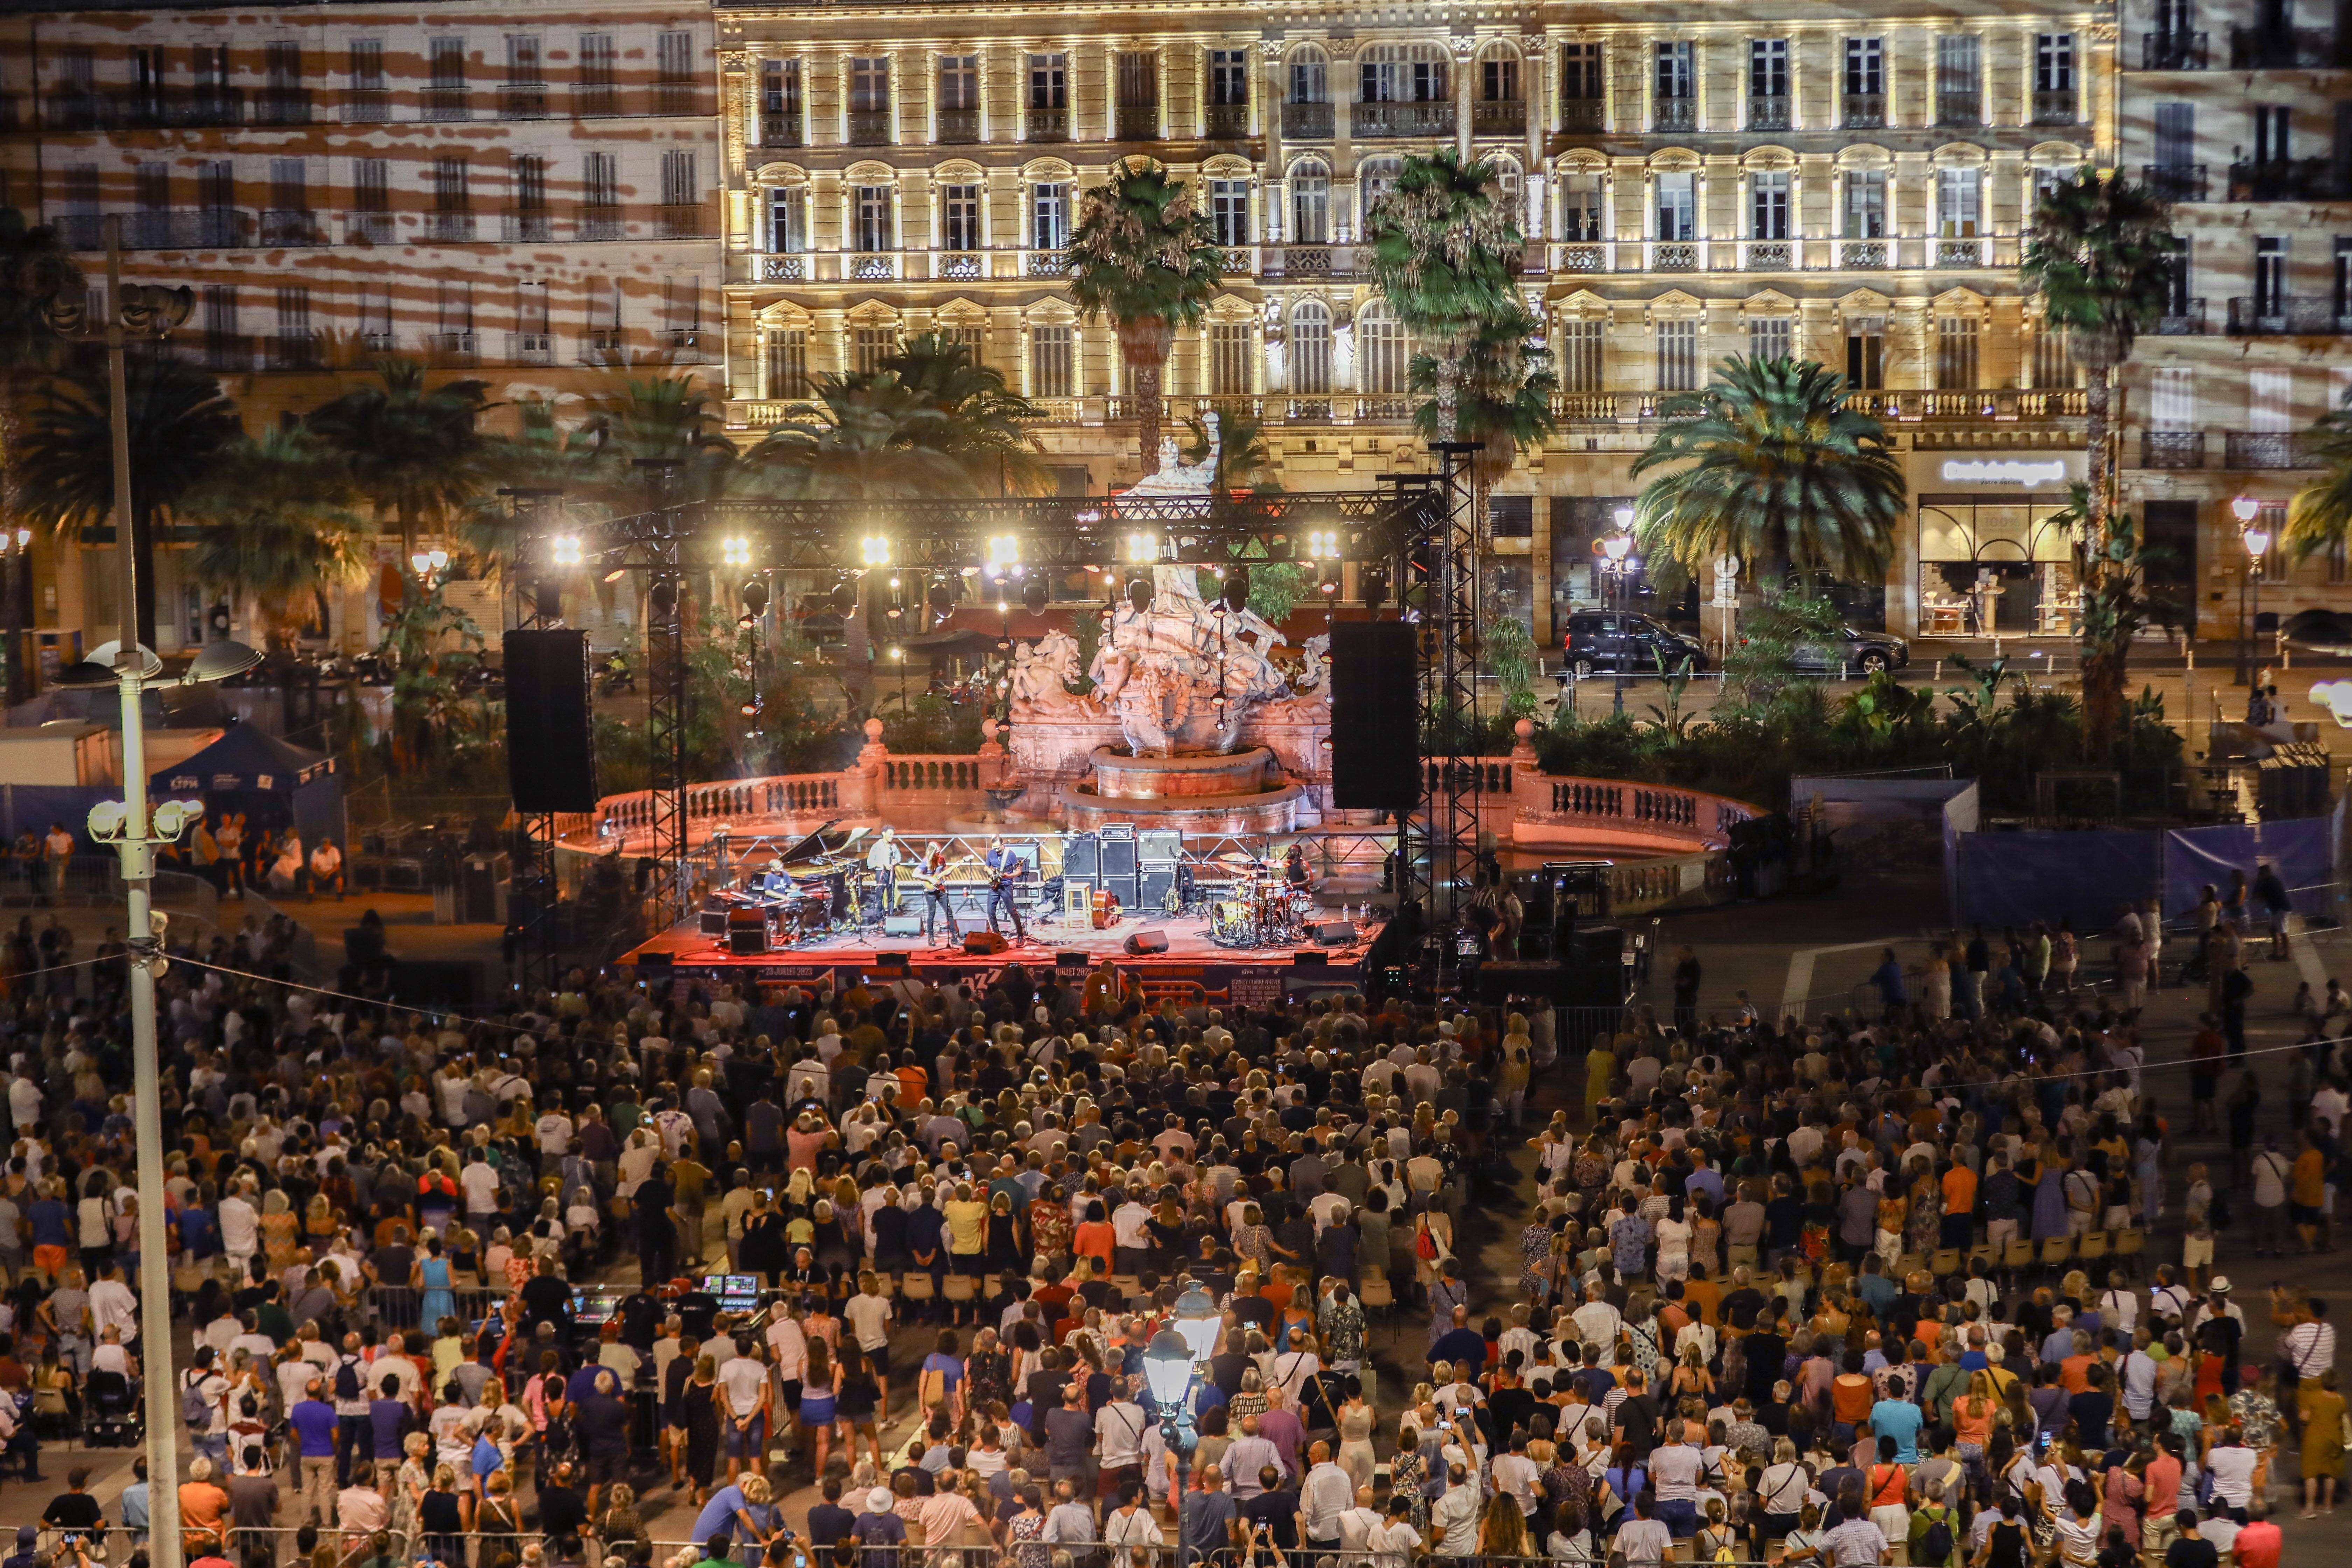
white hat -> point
(2221, 1286)
(878, 1501)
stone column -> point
(1466, 58)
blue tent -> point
(262, 776)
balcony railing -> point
(1310, 260)
(78, 111)
(533, 225)
(1967, 252)
(2285, 180)
(531, 348)
(687, 345)
(290, 228)
(782, 131)
(202, 228)
(2175, 182)
(1046, 264)
(869, 128)
(1583, 113)
(1306, 121)
(1674, 255)
(1499, 117)
(368, 228)
(1863, 110)
(448, 101)
(2172, 51)
(595, 99)
(293, 348)
(282, 106)
(448, 227)
(206, 106)
(783, 269)
(366, 105)
(1769, 113)
(676, 98)
(2172, 448)
(956, 127)
(2189, 321)
(1047, 124)
(2290, 316)
(872, 265)
(1862, 252)
(2055, 106)
(524, 100)
(962, 267)
(1959, 110)
(2267, 449)
(1770, 255)
(453, 348)
(1674, 114)
(1136, 122)
(681, 220)
(602, 220)
(2282, 48)
(601, 346)
(1430, 119)
(1224, 121)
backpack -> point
(2217, 1212)
(1934, 1547)
(196, 1408)
(1424, 1245)
(347, 1378)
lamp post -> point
(1169, 1372)
(428, 564)
(1616, 552)
(2257, 541)
(130, 667)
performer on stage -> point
(883, 862)
(934, 874)
(1004, 868)
(1293, 868)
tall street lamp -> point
(2257, 541)
(1617, 551)
(130, 668)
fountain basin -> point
(1202, 795)
(1118, 776)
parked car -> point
(1851, 652)
(1612, 642)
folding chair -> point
(1378, 1295)
(1945, 1263)
(2092, 1248)
(2131, 1248)
(2057, 1251)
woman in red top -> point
(1095, 1238)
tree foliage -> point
(1144, 253)
(275, 524)
(1443, 248)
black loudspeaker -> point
(1082, 856)
(1073, 958)
(1118, 855)
(1308, 958)
(983, 941)
(653, 967)
(1336, 933)
(747, 933)
(1155, 884)
(1375, 735)
(550, 750)
(1125, 890)
(1597, 947)
(1149, 940)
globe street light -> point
(1168, 1373)
(2257, 541)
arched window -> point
(1376, 177)
(1310, 203)
(1402, 73)
(1310, 347)
(1499, 74)
(1383, 354)
(1310, 75)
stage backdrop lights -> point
(874, 550)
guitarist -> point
(1004, 868)
(933, 876)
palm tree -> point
(2321, 512)
(2101, 251)
(867, 436)
(1445, 251)
(1503, 391)
(1144, 255)
(1245, 462)
(35, 269)
(1772, 463)
(179, 425)
(416, 450)
(276, 524)
(985, 416)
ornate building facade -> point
(1845, 187)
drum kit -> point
(1260, 912)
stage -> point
(1192, 966)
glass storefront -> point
(1996, 564)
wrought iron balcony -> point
(366, 105)
(955, 126)
(1863, 253)
(783, 269)
(1047, 124)
(1959, 110)
(290, 228)
(449, 227)
(2172, 448)
(681, 220)
(2175, 182)
(2055, 106)
(531, 348)
(869, 128)
(524, 100)
(294, 348)
(2285, 180)
(371, 228)
(530, 225)
(1434, 118)
(157, 229)
(602, 220)
(1863, 110)
(1960, 252)
(782, 130)
(2283, 48)
(1225, 121)
(1583, 113)
(1771, 113)
(2172, 51)
(1136, 122)
(595, 99)
(1306, 121)
(460, 348)
(2186, 322)
(1499, 117)
(1674, 114)
(2267, 449)
(2288, 316)
(449, 100)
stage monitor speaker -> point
(1072, 958)
(1155, 884)
(902, 925)
(747, 940)
(983, 941)
(1118, 857)
(653, 967)
(1081, 857)
(1149, 940)
(1375, 732)
(551, 748)
(1336, 933)
(1309, 958)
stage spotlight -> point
(1234, 589)
(874, 550)
(845, 597)
(750, 710)
(755, 597)
(1329, 586)
(1323, 544)
(941, 598)
(736, 550)
(566, 549)
(1142, 548)
(1003, 554)
(1033, 596)
(616, 573)
(1138, 594)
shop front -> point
(1990, 554)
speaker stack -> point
(1375, 729)
(550, 743)
(1121, 865)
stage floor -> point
(1259, 976)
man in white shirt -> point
(554, 1132)
(1130, 1234)
(745, 1379)
(1323, 1497)
(1396, 1544)
(114, 1306)
(2309, 1347)
(1673, 1476)
(240, 1229)
(869, 1314)
(1119, 1434)
(1453, 1517)
(1514, 1474)
(1598, 1322)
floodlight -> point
(107, 819)
(218, 661)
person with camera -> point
(76, 1515)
